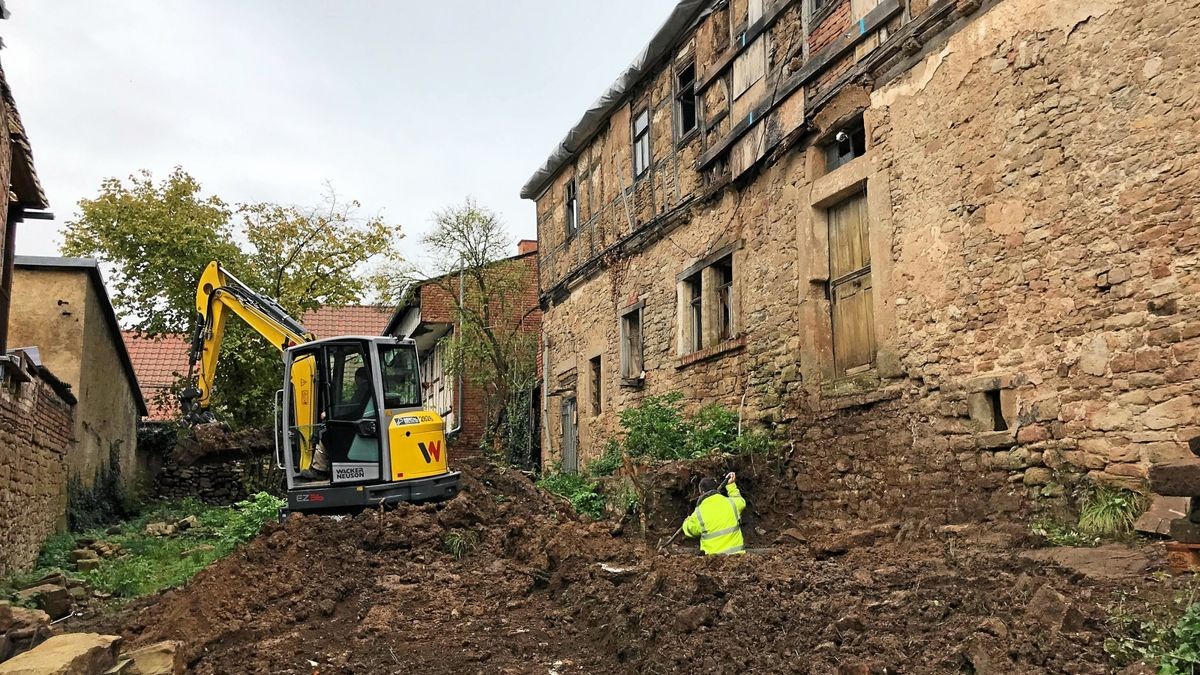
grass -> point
(1107, 511)
(459, 543)
(151, 564)
(1167, 637)
(1104, 513)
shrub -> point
(576, 489)
(608, 463)
(658, 429)
(247, 518)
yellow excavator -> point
(350, 429)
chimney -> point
(526, 246)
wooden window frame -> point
(683, 91)
(641, 139)
(861, 276)
(707, 301)
(633, 371)
(596, 384)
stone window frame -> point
(703, 276)
(634, 312)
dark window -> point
(595, 371)
(641, 144)
(847, 144)
(724, 270)
(631, 345)
(695, 312)
(997, 410)
(819, 6)
(572, 207)
(685, 99)
(350, 389)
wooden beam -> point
(882, 13)
(761, 26)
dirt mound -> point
(534, 588)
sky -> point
(405, 106)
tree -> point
(489, 297)
(155, 238)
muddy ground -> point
(542, 591)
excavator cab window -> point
(351, 434)
(401, 376)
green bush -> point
(459, 543)
(608, 463)
(576, 489)
(658, 429)
(247, 518)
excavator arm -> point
(219, 294)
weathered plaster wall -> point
(59, 312)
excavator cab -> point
(358, 400)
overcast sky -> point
(406, 106)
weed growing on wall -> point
(1108, 511)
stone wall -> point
(35, 439)
(1031, 187)
(221, 483)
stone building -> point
(947, 249)
(36, 423)
(60, 306)
(428, 316)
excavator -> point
(350, 429)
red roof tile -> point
(161, 360)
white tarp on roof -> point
(683, 17)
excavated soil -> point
(542, 591)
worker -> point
(717, 519)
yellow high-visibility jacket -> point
(718, 523)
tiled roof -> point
(329, 322)
(161, 360)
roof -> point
(25, 182)
(681, 20)
(349, 320)
(92, 269)
(160, 360)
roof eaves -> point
(682, 19)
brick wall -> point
(35, 437)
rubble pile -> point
(504, 579)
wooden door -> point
(850, 286)
(570, 436)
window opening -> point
(641, 144)
(572, 206)
(685, 99)
(848, 143)
(997, 410)
(596, 379)
(631, 345)
(724, 278)
(695, 312)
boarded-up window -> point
(750, 66)
(754, 11)
(631, 345)
(850, 286)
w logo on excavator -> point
(431, 452)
